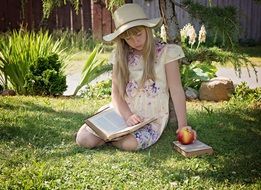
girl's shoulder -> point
(160, 46)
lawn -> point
(37, 149)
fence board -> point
(97, 21)
(94, 16)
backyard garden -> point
(38, 119)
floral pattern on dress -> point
(146, 136)
(131, 88)
(151, 88)
(133, 59)
(159, 47)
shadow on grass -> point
(235, 135)
(38, 125)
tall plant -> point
(20, 49)
(221, 22)
(93, 68)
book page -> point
(109, 121)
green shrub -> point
(99, 90)
(45, 77)
(194, 74)
(244, 93)
(18, 50)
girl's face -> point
(137, 40)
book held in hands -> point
(109, 125)
(195, 149)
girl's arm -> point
(121, 105)
(176, 92)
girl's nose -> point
(136, 40)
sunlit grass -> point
(37, 149)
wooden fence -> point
(13, 14)
(94, 16)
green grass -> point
(37, 150)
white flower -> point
(163, 34)
(191, 33)
(202, 34)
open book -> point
(195, 149)
(108, 124)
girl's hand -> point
(189, 127)
(134, 119)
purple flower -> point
(159, 47)
(151, 88)
(133, 59)
(132, 88)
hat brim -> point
(151, 23)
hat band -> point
(131, 21)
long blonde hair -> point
(121, 56)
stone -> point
(216, 89)
(191, 93)
(8, 93)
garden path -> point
(74, 76)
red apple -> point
(185, 136)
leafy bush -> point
(99, 90)
(245, 94)
(194, 74)
(45, 77)
(18, 50)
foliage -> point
(49, 5)
(112, 4)
(221, 22)
(214, 54)
(194, 74)
(98, 90)
(45, 77)
(246, 94)
(93, 68)
(75, 41)
(202, 59)
(37, 150)
(19, 50)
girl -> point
(144, 72)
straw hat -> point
(128, 16)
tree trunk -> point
(167, 11)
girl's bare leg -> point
(86, 139)
(127, 142)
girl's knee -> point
(84, 142)
(86, 139)
(128, 143)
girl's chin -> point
(138, 48)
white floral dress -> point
(153, 99)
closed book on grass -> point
(195, 149)
(109, 125)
